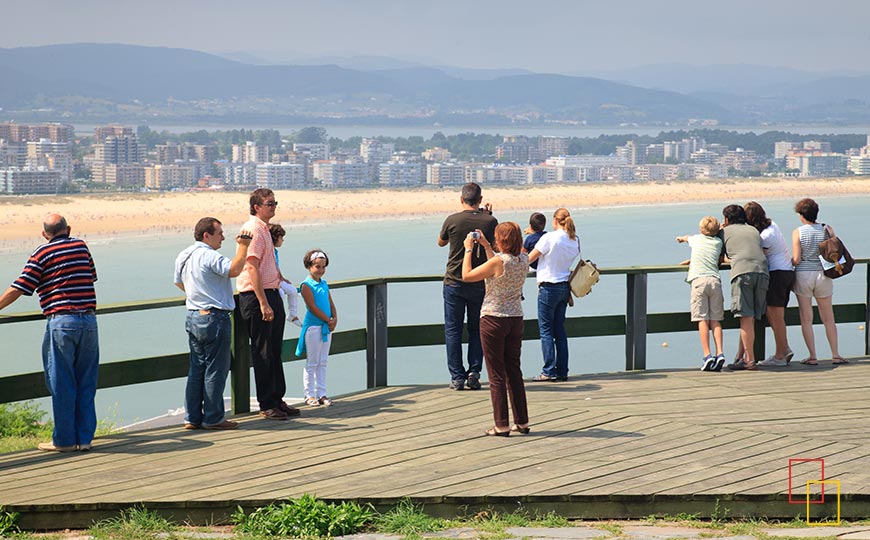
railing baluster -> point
(867, 312)
(240, 370)
(376, 335)
(635, 321)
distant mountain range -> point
(133, 82)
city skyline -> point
(560, 36)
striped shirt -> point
(62, 273)
(811, 236)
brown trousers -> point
(502, 340)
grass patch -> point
(23, 426)
(409, 520)
(305, 517)
(133, 524)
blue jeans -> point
(71, 359)
(209, 336)
(461, 299)
(552, 303)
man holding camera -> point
(204, 276)
(461, 299)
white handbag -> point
(583, 277)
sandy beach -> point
(107, 215)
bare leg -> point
(805, 307)
(717, 335)
(776, 318)
(747, 338)
(704, 333)
(741, 350)
(826, 312)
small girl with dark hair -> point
(285, 286)
(320, 321)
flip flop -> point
(810, 362)
(839, 360)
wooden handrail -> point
(377, 337)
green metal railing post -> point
(635, 321)
(867, 312)
(376, 335)
(240, 366)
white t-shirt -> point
(775, 248)
(558, 251)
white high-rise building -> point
(54, 156)
(315, 151)
(14, 180)
(251, 152)
(280, 176)
(397, 173)
(337, 174)
(445, 174)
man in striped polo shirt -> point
(62, 273)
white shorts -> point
(813, 284)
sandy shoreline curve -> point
(97, 216)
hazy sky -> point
(543, 35)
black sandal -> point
(523, 430)
(493, 432)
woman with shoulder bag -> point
(810, 281)
(555, 252)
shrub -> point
(7, 522)
(22, 420)
(305, 517)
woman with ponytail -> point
(555, 252)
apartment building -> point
(445, 174)
(401, 173)
(586, 161)
(315, 151)
(553, 146)
(436, 154)
(237, 174)
(339, 174)
(55, 156)
(172, 175)
(281, 175)
(859, 165)
(251, 152)
(12, 154)
(816, 163)
(14, 181)
(20, 133)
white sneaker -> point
(773, 361)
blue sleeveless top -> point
(321, 300)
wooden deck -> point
(612, 445)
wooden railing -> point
(376, 338)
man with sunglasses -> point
(262, 310)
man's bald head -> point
(54, 225)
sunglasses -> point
(272, 203)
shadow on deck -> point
(620, 445)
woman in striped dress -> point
(810, 281)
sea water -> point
(139, 267)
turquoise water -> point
(137, 268)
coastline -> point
(105, 216)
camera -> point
(475, 235)
(246, 236)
